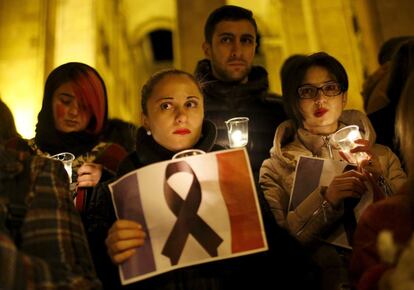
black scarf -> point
(149, 151)
(54, 141)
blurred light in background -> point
(21, 90)
(25, 121)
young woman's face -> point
(321, 113)
(68, 114)
(175, 113)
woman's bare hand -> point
(123, 238)
(89, 174)
(348, 184)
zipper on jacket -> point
(326, 141)
(323, 207)
(315, 213)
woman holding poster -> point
(315, 95)
(173, 121)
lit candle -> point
(237, 138)
(238, 133)
(66, 158)
(345, 139)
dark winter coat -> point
(226, 100)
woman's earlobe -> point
(144, 122)
(344, 98)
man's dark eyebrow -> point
(247, 35)
(232, 34)
(226, 34)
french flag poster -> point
(194, 210)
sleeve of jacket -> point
(275, 195)
(54, 252)
(312, 217)
(309, 219)
(391, 166)
(110, 159)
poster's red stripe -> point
(235, 186)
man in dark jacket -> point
(232, 86)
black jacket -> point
(226, 100)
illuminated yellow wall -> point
(75, 32)
(116, 62)
(21, 60)
(38, 35)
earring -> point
(149, 132)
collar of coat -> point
(257, 84)
(149, 151)
(287, 133)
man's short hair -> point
(226, 13)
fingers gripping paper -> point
(194, 210)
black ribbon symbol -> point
(188, 221)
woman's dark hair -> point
(401, 67)
(289, 65)
(226, 13)
(295, 73)
(89, 89)
(403, 124)
(389, 47)
(155, 79)
(7, 125)
(403, 129)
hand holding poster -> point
(311, 173)
(194, 210)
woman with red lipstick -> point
(173, 120)
(315, 95)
